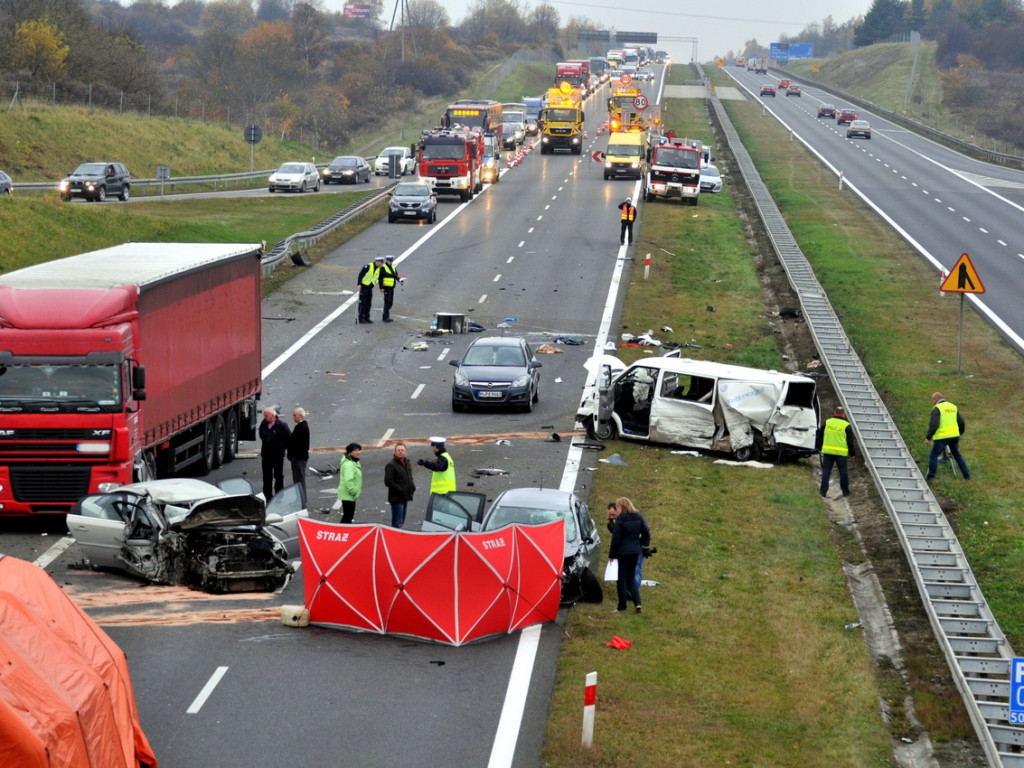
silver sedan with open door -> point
(189, 532)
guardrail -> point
(296, 247)
(976, 650)
(179, 185)
(175, 185)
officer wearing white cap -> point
(368, 277)
(443, 467)
(628, 215)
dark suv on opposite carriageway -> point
(94, 181)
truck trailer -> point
(125, 364)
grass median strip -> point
(743, 655)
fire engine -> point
(674, 170)
(452, 161)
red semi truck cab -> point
(452, 162)
(124, 364)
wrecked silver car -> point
(189, 532)
(465, 511)
(702, 405)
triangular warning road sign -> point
(963, 278)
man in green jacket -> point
(351, 484)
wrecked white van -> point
(701, 405)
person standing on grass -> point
(613, 513)
(836, 443)
(629, 536)
(944, 430)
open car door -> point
(456, 511)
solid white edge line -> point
(505, 738)
(504, 747)
(204, 694)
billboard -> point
(357, 11)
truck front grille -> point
(35, 483)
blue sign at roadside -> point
(1017, 691)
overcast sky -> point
(718, 26)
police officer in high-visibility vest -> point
(443, 467)
(944, 430)
(628, 211)
(388, 278)
(368, 277)
(837, 445)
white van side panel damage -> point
(703, 405)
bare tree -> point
(543, 24)
(427, 14)
(310, 32)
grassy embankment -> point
(880, 74)
(741, 656)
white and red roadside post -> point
(647, 266)
(589, 706)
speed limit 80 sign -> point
(640, 102)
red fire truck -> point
(452, 161)
(674, 170)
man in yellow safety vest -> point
(388, 278)
(368, 277)
(944, 430)
(837, 445)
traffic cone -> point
(584, 133)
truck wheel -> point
(465, 196)
(231, 436)
(220, 440)
(205, 463)
(145, 468)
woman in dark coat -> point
(629, 535)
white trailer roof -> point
(138, 264)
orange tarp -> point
(448, 587)
(65, 692)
